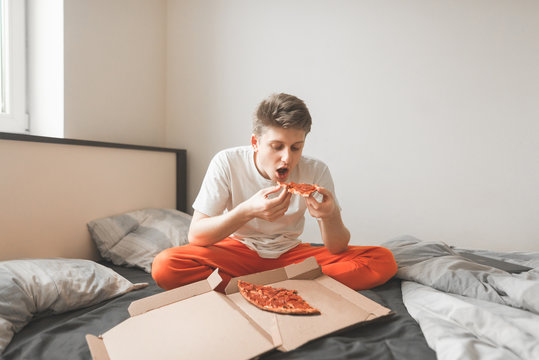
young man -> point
(244, 221)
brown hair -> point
(284, 111)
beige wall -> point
(426, 112)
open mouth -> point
(282, 173)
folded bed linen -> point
(467, 310)
(460, 327)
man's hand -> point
(261, 206)
(207, 230)
(324, 209)
(334, 234)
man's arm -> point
(207, 230)
(334, 234)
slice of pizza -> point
(304, 190)
(278, 300)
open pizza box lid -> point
(196, 322)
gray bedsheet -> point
(63, 336)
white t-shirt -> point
(232, 178)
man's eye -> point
(277, 147)
(296, 148)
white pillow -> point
(135, 238)
(33, 286)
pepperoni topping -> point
(278, 300)
(300, 189)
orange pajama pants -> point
(359, 267)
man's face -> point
(277, 151)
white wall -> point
(115, 70)
(426, 112)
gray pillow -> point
(41, 286)
(409, 250)
(135, 238)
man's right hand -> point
(207, 230)
(262, 206)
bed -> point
(81, 221)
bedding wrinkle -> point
(34, 288)
(458, 327)
(467, 310)
(136, 237)
(518, 291)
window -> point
(13, 116)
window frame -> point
(14, 117)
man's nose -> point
(285, 155)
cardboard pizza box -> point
(340, 306)
(196, 322)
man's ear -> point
(254, 142)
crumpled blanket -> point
(468, 310)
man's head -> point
(284, 111)
(281, 124)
